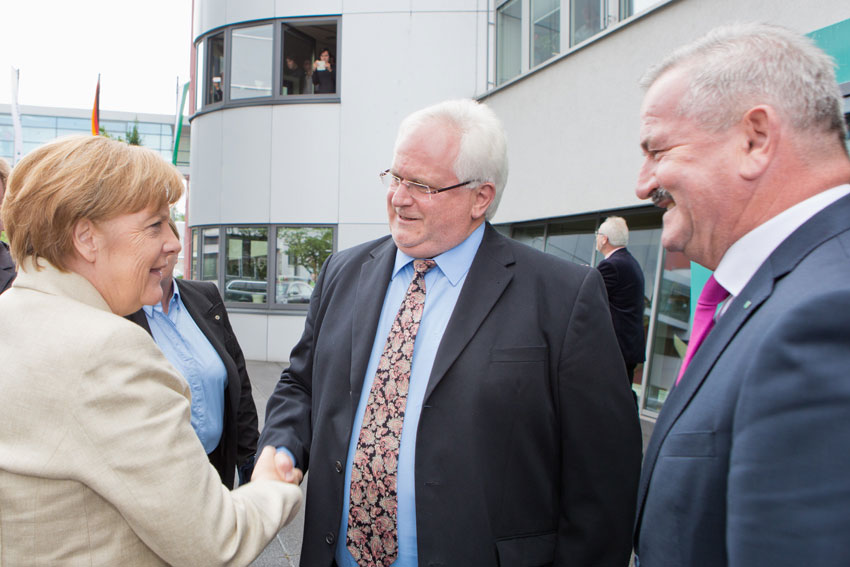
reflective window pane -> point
(209, 255)
(214, 73)
(200, 85)
(671, 326)
(574, 240)
(251, 62)
(508, 41)
(300, 252)
(587, 18)
(246, 264)
(531, 235)
(545, 30)
(194, 268)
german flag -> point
(95, 111)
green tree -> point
(132, 136)
(309, 247)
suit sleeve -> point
(789, 488)
(131, 436)
(288, 422)
(247, 423)
(601, 439)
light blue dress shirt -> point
(191, 353)
(442, 288)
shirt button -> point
(329, 538)
(338, 467)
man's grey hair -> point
(616, 229)
(736, 67)
(483, 153)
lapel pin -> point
(217, 317)
(747, 304)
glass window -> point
(214, 73)
(199, 76)
(300, 253)
(545, 30)
(574, 240)
(246, 264)
(534, 236)
(209, 255)
(194, 267)
(309, 64)
(671, 326)
(587, 18)
(508, 40)
(251, 62)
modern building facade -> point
(284, 164)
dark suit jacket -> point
(7, 268)
(239, 436)
(528, 446)
(624, 282)
(748, 462)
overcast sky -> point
(59, 46)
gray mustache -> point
(659, 195)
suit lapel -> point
(371, 289)
(823, 226)
(486, 281)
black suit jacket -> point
(528, 446)
(239, 436)
(747, 465)
(7, 268)
(625, 284)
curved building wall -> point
(316, 161)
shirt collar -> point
(749, 252)
(173, 304)
(453, 263)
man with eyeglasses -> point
(457, 396)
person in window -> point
(98, 462)
(324, 77)
(217, 94)
(191, 327)
(293, 76)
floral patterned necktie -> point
(372, 520)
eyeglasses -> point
(392, 183)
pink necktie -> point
(372, 526)
(712, 295)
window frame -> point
(202, 55)
(270, 305)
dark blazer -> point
(626, 298)
(239, 436)
(528, 446)
(7, 268)
(748, 462)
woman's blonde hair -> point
(75, 178)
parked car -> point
(293, 292)
(254, 291)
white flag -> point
(16, 119)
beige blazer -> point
(99, 464)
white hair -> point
(483, 153)
(616, 229)
(736, 67)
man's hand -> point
(272, 465)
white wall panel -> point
(283, 333)
(205, 182)
(251, 332)
(290, 8)
(305, 163)
(247, 10)
(209, 14)
(246, 167)
(375, 6)
(349, 235)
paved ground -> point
(285, 548)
